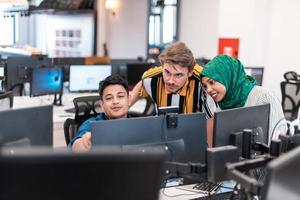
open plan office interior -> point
(54, 53)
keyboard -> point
(206, 186)
(217, 196)
(202, 191)
(203, 187)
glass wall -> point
(163, 22)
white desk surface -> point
(59, 113)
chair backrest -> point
(6, 100)
(85, 108)
(290, 90)
(148, 108)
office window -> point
(169, 24)
(163, 18)
(154, 28)
(7, 27)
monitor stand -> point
(57, 99)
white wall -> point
(283, 42)
(198, 26)
(246, 20)
(268, 32)
(126, 31)
(101, 27)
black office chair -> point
(85, 108)
(6, 100)
(149, 109)
(290, 90)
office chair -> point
(148, 110)
(290, 90)
(85, 108)
(6, 100)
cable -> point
(276, 125)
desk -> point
(185, 192)
(59, 113)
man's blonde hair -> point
(178, 54)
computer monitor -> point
(202, 61)
(256, 72)
(231, 121)
(85, 78)
(39, 174)
(27, 127)
(182, 135)
(18, 69)
(119, 65)
(135, 72)
(46, 80)
(66, 62)
(282, 179)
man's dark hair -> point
(113, 80)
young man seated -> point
(114, 101)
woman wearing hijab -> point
(226, 82)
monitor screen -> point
(135, 72)
(282, 180)
(119, 65)
(46, 80)
(39, 174)
(256, 72)
(87, 77)
(182, 135)
(236, 120)
(27, 127)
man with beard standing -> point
(177, 83)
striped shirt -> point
(259, 96)
(191, 98)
